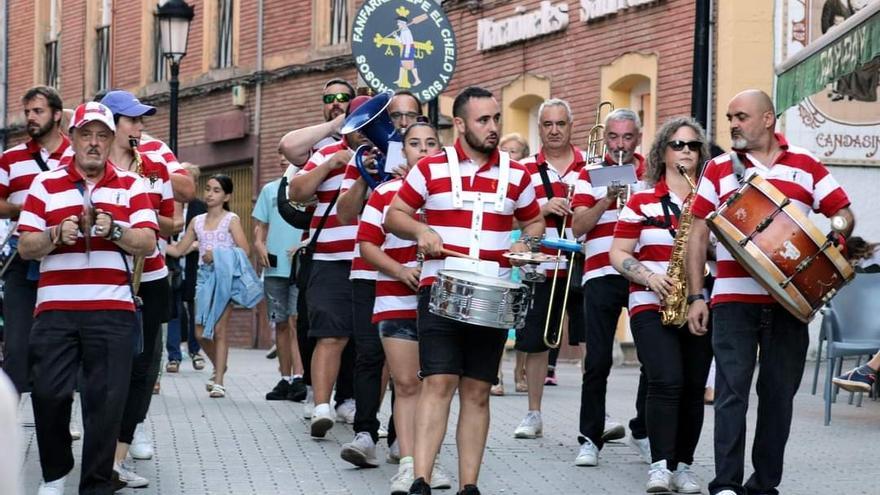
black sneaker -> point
(280, 391)
(297, 391)
(420, 487)
(859, 379)
(116, 484)
(470, 490)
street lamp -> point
(173, 17)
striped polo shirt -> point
(796, 173)
(642, 219)
(157, 183)
(18, 167)
(336, 241)
(149, 144)
(559, 186)
(598, 240)
(70, 278)
(428, 185)
(394, 300)
(360, 269)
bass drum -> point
(780, 247)
(479, 300)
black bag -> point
(301, 265)
(296, 217)
(576, 262)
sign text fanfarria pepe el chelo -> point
(548, 18)
(592, 10)
(404, 44)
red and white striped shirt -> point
(654, 246)
(360, 269)
(70, 278)
(149, 144)
(598, 241)
(394, 300)
(797, 174)
(157, 183)
(336, 241)
(559, 186)
(428, 185)
(18, 167)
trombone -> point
(553, 342)
(596, 147)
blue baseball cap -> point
(124, 103)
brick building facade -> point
(241, 91)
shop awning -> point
(840, 51)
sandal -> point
(157, 387)
(217, 391)
(210, 384)
(172, 366)
(198, 362)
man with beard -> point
(329, 288)
(85, 221)
(298, 146)
(745, 318)
(552, 170)
(18, 167)
(452, 354)
(606, 292)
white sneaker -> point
(141, 446)
(345, 412)
(309, 404)
(588, 455)
(55, 487)
(401, 481)
(361, 451)
(322, 420)
(440, 479)
(383, 432)
(659, 478)
(530, 427)
(642, 446)
(394, 454)
(129, 477)
(726, 492)
(75, 432)
(684, 480)
(613, 430)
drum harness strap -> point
(476, 198)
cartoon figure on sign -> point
(407, 50)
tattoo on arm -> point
(635, 270)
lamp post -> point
(174, 17)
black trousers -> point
(156, 295)
(102, 343)
(604, 297)
(741, 330)
(676, 363)
(370, 358)
(345, 379)
(19, 300)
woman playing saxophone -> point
(648, 245)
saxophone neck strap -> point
(670, 209)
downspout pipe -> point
(701, 65)
(258, 115)
(4, 69)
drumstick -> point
(456, 254)
(416, 20)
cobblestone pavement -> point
(244, 444)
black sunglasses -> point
(340, 97)
(679, 145)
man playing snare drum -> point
(471, 195)
(746, 318)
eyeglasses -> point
(679, 145)
(340, 97)
(408, 115)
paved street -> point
(244, 444)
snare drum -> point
(479, 300)
(780, 247)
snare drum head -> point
(476, 278)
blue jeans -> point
(739, 331)
(183, 324)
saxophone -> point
(138, 271)
(673, 310)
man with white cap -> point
(85, 221)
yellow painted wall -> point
(618, 80)
(744, 55)
(518, 98)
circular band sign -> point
(404, 44)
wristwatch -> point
(695, 297)
(116, 232)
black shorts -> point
(449, 347)
(329, 300)
(530, 338)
